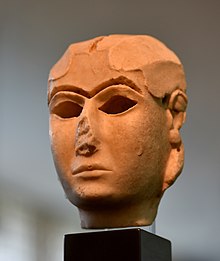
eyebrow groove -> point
(70, 88)
(102, 86)
(116, 81)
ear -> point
(176, 114)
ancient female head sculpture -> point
(116, 105)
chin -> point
(89, 198)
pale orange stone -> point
(116, 106)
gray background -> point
(33, 36)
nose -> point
(86, 143)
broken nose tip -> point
(86, 150)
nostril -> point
(86, 150)
(92, 148)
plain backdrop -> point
(33, 36)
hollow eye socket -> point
(117, 104)
(67, 109)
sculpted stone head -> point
(116, 105)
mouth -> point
(88, 167)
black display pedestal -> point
(116, 245)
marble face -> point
(111, 138)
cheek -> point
(139, 144)
(135, 133)
(62, 143)
(156, 149)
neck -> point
(129, 216)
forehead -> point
(90, 72)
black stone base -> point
(116, 245)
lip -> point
(88, 167)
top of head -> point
(162, 70)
